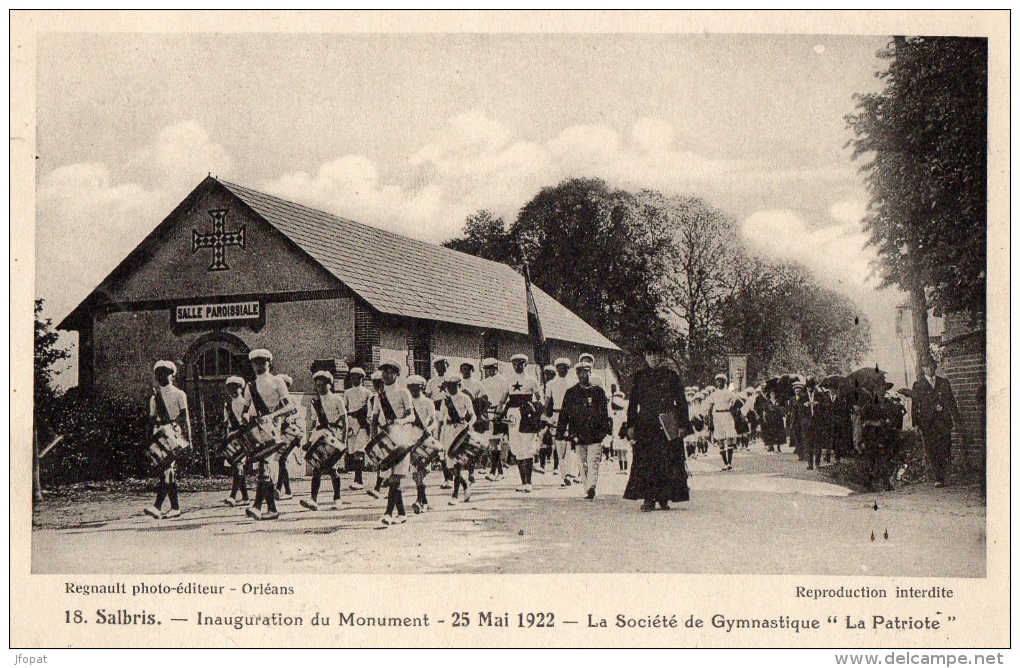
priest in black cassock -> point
(659, 473)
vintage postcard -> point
(510, 329)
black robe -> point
(658, 472)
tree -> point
(701, 270)
(486, 236)
(925, 141)
(44, 395)
(590, 247)
(787, 323)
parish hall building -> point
(232, 269)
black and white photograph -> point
(521, 302)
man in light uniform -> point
(496, 390)
(724, 429)
(324, 412)
(356, 399)
(546, 452)
(381, 477)
(234, 410)
(394, 407)
(456, 415)
(168, 411)
(267, 394)
(554, 391)
(425, 418)
(435, 391)
(524, 426)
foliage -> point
(704, 258)
(925, 139)
(104, 439)
(46, 356)
(672, 269)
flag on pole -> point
(534, 323)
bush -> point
(103, 440)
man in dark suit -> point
(934, 412)
(814, 416)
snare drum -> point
(427, 452)
(390, 447)
(235, 450)
(167, 446)
(466, 448)
(325, 451)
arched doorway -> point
(210, 360)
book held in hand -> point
(669, 426)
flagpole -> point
(538, 337)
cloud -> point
(87, 221)
(834, 252)
(474, 162)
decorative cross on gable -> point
(218, 240)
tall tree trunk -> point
(919, 315)
(36, 475)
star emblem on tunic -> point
(517, 386)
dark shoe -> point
(810, 467)
(648, 506)
(591, 493)
(664, 505)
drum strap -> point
(387, 407)
(260, 404)
(418, 422)
(234, 422)
(451, 410)
(320, 414)
(162, 412)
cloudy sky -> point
(414, 132)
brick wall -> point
(964, 364)
(367, 339)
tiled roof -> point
(407, 277)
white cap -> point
(260, 353)
(356, 371)
(391, 365)
(453, 377)
(489, 362)
(439, 359)
(165, 364)
(468, 363)
(562, 361)
(519, 356)
(235, 380)
(587, 356)
(582, 365)
(549, 367)
(415, 380)
(377, 375)
(324, 375)
(721, 376)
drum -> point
(392, 445)
(325, 451)
(167, 446)
(466, 448)
(266, 450)
(427, 452)
(235, 450)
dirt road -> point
(769, 516)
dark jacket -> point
(656, 391)
(934, 408)
(814, 418)
(585, 413)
